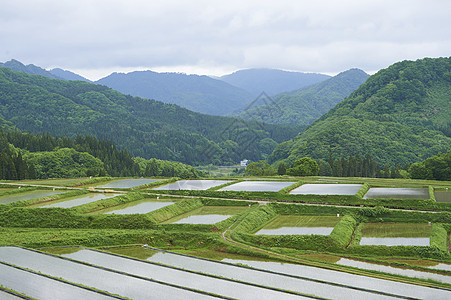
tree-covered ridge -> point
(305, 105)
(24, 155)
(399, 115)
(147, 128)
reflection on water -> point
(392, 270)
(257, 186)
(192, 185)
(442, 196)
(296, 231)
(395, 241)
(80, 200)
(326, 189)
(141, 208)
(27, 196)
(127, 183)
(126, 286)
(441, 266)
(202, 219)
(397, 193)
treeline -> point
(61, 157)
(117, 163)
(353, 166)
(437, 167)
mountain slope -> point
(398, 116)
(67, 75)
(147, 128)
(271, 81)
(305, 105)
(29, 69)
(198, 93)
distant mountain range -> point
(305, 105)
(399, 115)
(198, 93)
(216, 96)
(271, 81)
(147, 128)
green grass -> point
(396, 230)
(52, 182)
(209, 210)
(302, 221)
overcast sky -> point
(97, 37)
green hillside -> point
(303, 106)
(399, 115)
(146, 128)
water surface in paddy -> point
(178, 277)
(83, 199)
(127, 183)
(140, 208)
(393, 270)
(28, 195)
(326, 189)
(207, 215)
(298, 284)
(395, 241)
(442, 196)
(40, 287)
(296, 231)
(257, 186)
(192, 185)
(123, 285)
(397, 193)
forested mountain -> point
(198, 93)
(303, 106)
(25, 155)
(67, 75)
(147, 128)
(399, 115)
(271, 81)
(29, 69)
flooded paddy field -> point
(327, 189)
(136, 207)
(199, 185)
(257, 186)
(207, 215)
(178, 277)
(127, 183)
(305, 279)
(396, 234)
(40, 287)
(287, 225)
(107, 280)
(76, 201)
(394, 270)
(442, 196)
(28, 195)
(397, 193)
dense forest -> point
(398, 116)
(305, 105)
(146, 128)
(26, 156)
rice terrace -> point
(135, 238)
